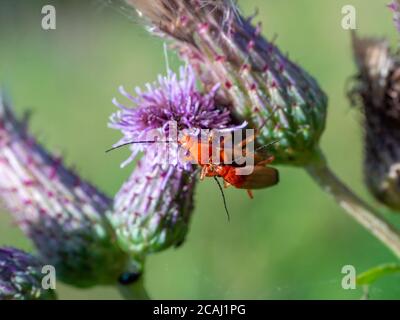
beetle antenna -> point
(267, 145)
(262, 147)
(134, 142)
(223, 198)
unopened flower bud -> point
(21, 277)
(153, 208)
(264, 87)
(378, 87)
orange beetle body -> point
(201, 153)
(261, 177)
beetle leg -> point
(250, 193)
(203, 172)
(266, 161)
(244, 142)
(226, 184)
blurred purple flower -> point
(395, 8)
(20, 277)
(63, 215)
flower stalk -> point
(358, 209)
(134, 291)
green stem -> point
(353, 205)
(134, 291)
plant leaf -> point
(375, 273)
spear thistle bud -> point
(21, 277)
(262, 85)
(378, 87)
(153, 208)
(64, 216)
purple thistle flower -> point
(63, 215)
(152, 209)
(20, 277)
(172, 99)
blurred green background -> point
(291, 241)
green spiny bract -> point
(153, 208)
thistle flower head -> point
(63, 215)
(378, 87)
(20, 277)
(152, 209)
(264, 87)
(172, 99)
